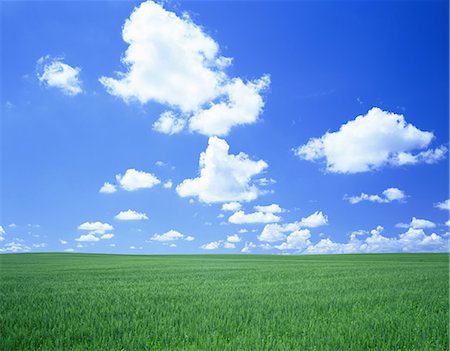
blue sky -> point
(269, 92)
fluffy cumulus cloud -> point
(134, 180)
(130, 215)
(389, 195)
(369, 142)
(248, 247)
(53, 72)
(413, 240)
(297, 240)
(231, 206)
(421, 223)
(233, 238)
(240, 217)
(278, 232)
(169, 123)
(223, 177)
(444, 205)
(211, 246)
(15, 247)
(172, 61)
(274, 208)
(108, 188)
(171, 235)
(96, 231)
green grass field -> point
(224, 302)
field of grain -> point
(61, 301)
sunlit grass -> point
(224, 302)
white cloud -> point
(108, 188)
(15, 247)
(413, 240)
(241, 217)
(233, 238)
(39, 245)
(88, 237)
(370, 142)
(274, 208)
(229, 245)
(317, 219)
(389, 195)
(242, 231)
(297, 240)
(211, 246)
(248, 247)
(265, 181)
(243, 106)
(130, 215)
(223, 177)
(63, 242)
(171, 235)
(12, 225)
(69, 250)
(444, 205)
(133, 180)
(421, 223)
(168, 184)
(277, 232)
(168, 123)
(55, 73)
(2, 233)
(96, 227)
(172, 61)
(231, 206)
(189, 238)
(107, 236)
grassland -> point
(224, 302)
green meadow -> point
(55, 301)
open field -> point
(224, 302)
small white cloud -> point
(108, 188)
(248, 247)
(55, 73)
(231, 206)
(69, 250)
(233, 238)
(107, 236)
(421, 223)
(63, 242)
(265, 181)
(39, 245)
(168, 236)
(211, 246)
(370, 142)
(168, 123)
(160, 163)
(274, 208)
(317, 219)
(12, 225)
(96, 227)
(134, 180)
(389, 195)
(168, 184)
(130, 215)
(223, 177)
(444, 205)
(229, 245)
(189, 238)
(173, 245)
(2, 233)
(88, 237)
(240, 217)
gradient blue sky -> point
(328, 63)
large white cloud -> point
(55, 73)
(172, 61)
(297, 240)
(388, 195)
(130, 215)
(223, 177)
(133, 180)
(369, 142)
(240, 217)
